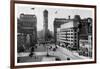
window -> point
(71, 40)
(75, 44)
(75, 30)
(75, 40)
(75, 33)
(71, 33)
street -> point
(40, 54)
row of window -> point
(67, 39)
(73, 43)
(71, 37)
(71, 33)
(29, 24)
(72, 40)
(69, 30)
(27, 17)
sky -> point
(53, 12)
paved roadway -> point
(65, 53)
(41, 52)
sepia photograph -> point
(46, 34)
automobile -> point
(58, 59)
(68, 58)
(69, 47)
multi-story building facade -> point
(86, 36)
(57, 24)
(27, 28)
(74, 31)
(68, 34)
(86, 31)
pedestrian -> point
(31, 52)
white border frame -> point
(35, 63)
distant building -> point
(45, 25)
(85, 28)
(27, 25)
(86, 35)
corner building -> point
(27, 29)
(68, 34)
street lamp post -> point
(47, 51)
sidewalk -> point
(71, 54)
(48, 59)
(24, 54)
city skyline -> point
(52, 13)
